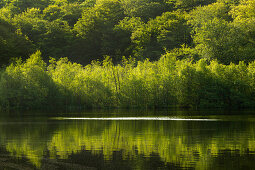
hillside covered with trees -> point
(136, 53)
(86, 30)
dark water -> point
(164, 140)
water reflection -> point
(130, 144)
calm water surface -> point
(165, 140)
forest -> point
(127, 54)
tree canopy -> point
(86, 30)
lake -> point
(128, 140)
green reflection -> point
(193, 144)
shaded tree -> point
(13, 43)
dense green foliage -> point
(12, 43)
(86, 30)
(132, 84)
(192, 45)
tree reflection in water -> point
(130, 144)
